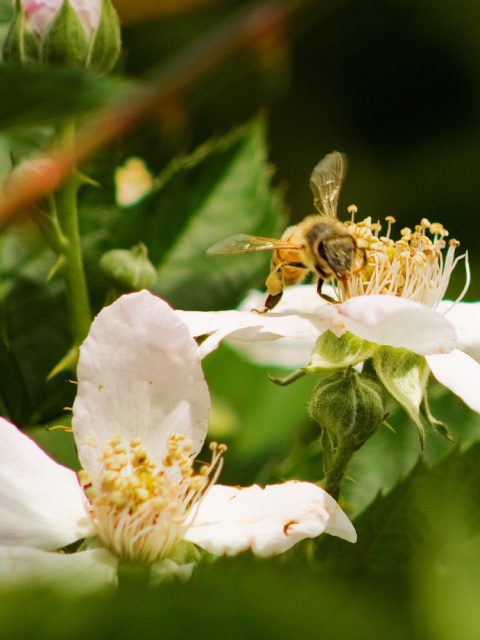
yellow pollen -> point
(139, 505)
(415, 266)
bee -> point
(319, 245)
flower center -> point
(418, 266)
(140, 508)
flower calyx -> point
(332, 352)
(405, 376)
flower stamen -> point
(139, 507)
(415, 266)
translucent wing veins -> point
(243, 243)
(326, 181)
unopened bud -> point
(129, 269)
(348, 406)
(83, 33)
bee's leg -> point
(324, 295)
(274, 284)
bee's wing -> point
(243, 243)
(326, 181)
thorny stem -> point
(67, 211)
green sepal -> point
(438, 425)
(65, 42)
(107, 44)
(129, 269)
(404, 375)
(56, 267)
(18, 42)
(184, 552)
(331, 352)
(67, 363)
(288, 379)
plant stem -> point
(335, 474)
(77, 293)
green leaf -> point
(43, 95)
(269, 417)
(14, 399)
(398, 527)
(221, 190)
(404, 375)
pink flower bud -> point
(40, 13)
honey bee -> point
(319, 245)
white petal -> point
(465, 317)
(301, 315)
(300, 298)
(398, 322)
(283, 352)
(460, 373)
(41, 502)
(139, 376)
(82, 571)
(267, 521)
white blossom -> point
(395, 300)
(139, 420)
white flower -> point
(396, 300)
(40, 13)
(139, 419)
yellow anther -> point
(90, 492)
(84, 477)
(90, 441)
(142, 494)
(118, 498)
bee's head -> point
(339, 252)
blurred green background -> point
(393, 84)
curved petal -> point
(41, 502)
(83, 571)
(301, 315)
(299, 298)
(139, 376)
(460, 373)
(465, 317)
(267, 521)
(283, 352)
(398, 322)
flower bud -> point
(129, 269)
(82, 33)
(348, 406)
